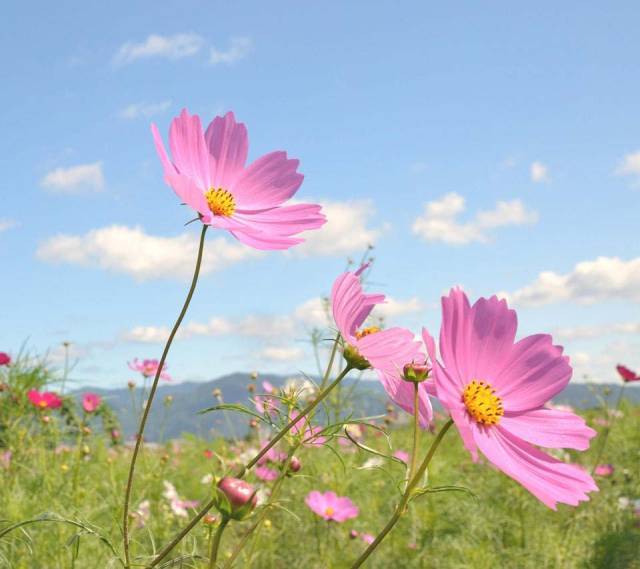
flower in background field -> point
(496, 389)
(331, 507)
(604, 470)
(387, 351)
(178, 507)
(265, 473)
(5, 359)
(5, 459)
(367, 538)
(142, 513)
(266, 403)
(273, 455)
(208, 173)
(44, 399)
(311, 435)
(149, 368)
(90, 402)
(208, 453)
(626, 374)
(402, 455)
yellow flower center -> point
(329, 511)
(482, 403)
(42, 404)
(220, 202)
(366, 332)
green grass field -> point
(73, 483)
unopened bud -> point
(251, 388)
(46, 419)
(295, 465)
(131, 384)
(86, 430)
(238, 498)
(209, 519)
(416, 372)
(354, 359)
(168, 400)
(216, 393)
(253, 375)
(253, 424)
(353, 534)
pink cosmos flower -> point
(149, 368)
(331, 507)
(627, 374)
(387, 351)
(311, 435)
(367, 538)
(495, 390)
(266, 403)
(5, 459)
(208, 173)
(178, 506)
(5, 359)
(402, 455)
(273, 455)
(267, 387)
(265, 473)
(604, 470)
(44, 399)
(90, 402)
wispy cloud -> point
(630, 166)
(83, 178)
(238, 49)
(145, 110)
(6, 224)
(440, 220)
(539, 172)
(282, 353)
(131, 251)
(597, 331)
(173, 47)
(605, 278)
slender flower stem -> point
(215, 543)
(400, 509)
(167, 549)
(147, 407)
(610, 420)
(327, 372)
(416, 432)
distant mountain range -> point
(361, 398)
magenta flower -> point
(44, 400)
(208, 173)
(149, 368)
(402, 455)
(626, 374)
(495, 390)
(331, 507)
(5, 359)
(367, 538)
(604, 470)
(90, 402)
(265, 473)
(387, 351)
(272, 456)
(311, 435)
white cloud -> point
(131, 251)
(440, 220)
(282, 353)
(605, 278)
(173, 47)
(146, 110)
(539, 172)
(345, 232)
(75, 179)
(315, 313)
(6, 224)
(393, 308)
(238, 49)
(599, 366)
(597, 331)
(630, 166)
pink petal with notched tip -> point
(228, 143)
(189, 150)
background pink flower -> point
(90, 402)
(265, 473)
(331, 507)
(626, 374)
(208, 173)
(149, 368)
(496, 390)
(44, 400)
(604, 470)
(402, 455)
(5, 359)
(387, 351)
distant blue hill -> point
(366, 398)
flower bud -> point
(131, 384)
(353, 534)
(236, 498)
(253, 424)
(251, 388)
(294, 464)
(86, 430)
(354, 359)
(46, 419)
(209, 519)
(416, 373)
(254, 375)
(168, 400)
(216, 393)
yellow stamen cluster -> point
(329, 511)
(482, 403)
(220, 201)
(366, 332)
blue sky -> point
(483, 144)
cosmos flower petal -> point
(550, 428)
(284, 221)
(547, 478)
(188, 149)
(228, 143)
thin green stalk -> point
(147, 407)
(327, 372)
(404, 501)
(416, 431)
(167, 549)
(215, 543)
(605, 438)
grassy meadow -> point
(64, 478)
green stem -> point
(416, 431)
(167, 549)
(400, 509)
(215, 543)
(327, 373)
(147, 407)
(605, 438)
